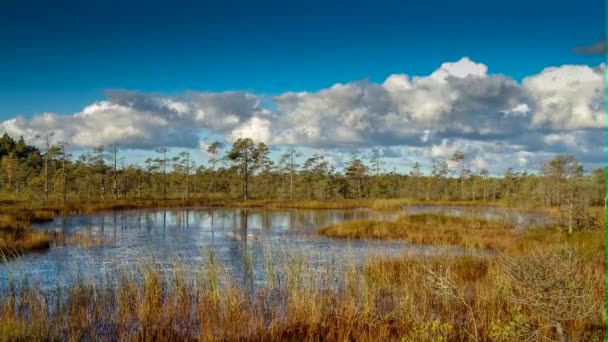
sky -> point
(509, 83)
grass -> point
(430, 229)
(16, 237)
(410, 298)
(407, 297)
(12, 244)
(73, 207)
(83, 241)
(472, 232)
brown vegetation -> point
(430, 229)
(16, 236)
(409, 298)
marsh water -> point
(239, 238)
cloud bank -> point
(494, 119)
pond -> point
(169, 236)
(519, 219)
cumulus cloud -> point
(256, 128)
(569, 97)
(493, 118)
(459, 99)
(461, 69)
(143, 121)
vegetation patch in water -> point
(430, 229)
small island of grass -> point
(429, 229)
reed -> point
(430, 229)
(409, 297)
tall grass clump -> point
(430, 229)
(408, 297)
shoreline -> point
(17, 215)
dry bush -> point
(552, 289)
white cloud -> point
(135, 120)
(461, 69)
(257, 128)
(494, 119)
(459, 99)
(569, 97)
(520, 109)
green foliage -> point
(247, 170)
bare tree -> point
(458, 159)
(483, 173)
(63, 147)
(442, 282)
(163, 162)
(376, 160)
(291, 156)
(98, 161)
(183, 165)
(416, 176)
(213, 151)
(47, 143)
(115, 183)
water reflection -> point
(238, 237)
(519, 219)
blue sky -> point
(60, 56)
(420, 79)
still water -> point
(184, 236)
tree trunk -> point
(64, 176)
(89, 185)
(115, 185)
(165, 175)
(291, 172)
(138, 185)
(246, 179)
(187, 177)
(102, 188)
(462, 188)
(473, 190)
(212, 187)
(46, 173)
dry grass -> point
(16, 237)
(410, 298)
(25, 209)
(9, 223)
(430, 229)
(83, 241)
(12, 244)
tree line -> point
(246, 170)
